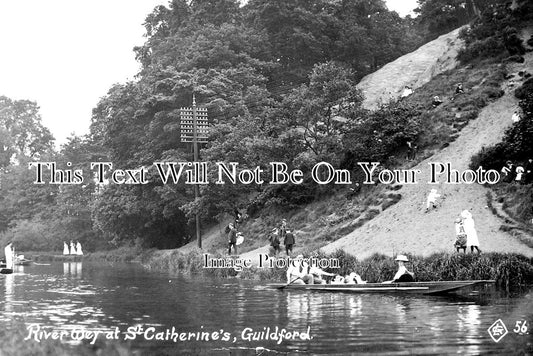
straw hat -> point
(402, 258)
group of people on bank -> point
(279, 234)
(303, 273)
(521, 173)
(72, 248)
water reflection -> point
(9, 287)
(468, 327)
(73, 269)
(65, 296)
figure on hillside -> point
(432, 199)
(470, 230)
(436, 101)
(65, 248)
(72, 248)
(508, 171)
(275, 241)
(409, 150)
(406, 92)
(529, 171)
(282, 229)
(232, 238)
(516, 116)
(460, 240)
(354, 191)
(519, 174)
(415, 151)
(289, 242)
(238, 216)
(459, 89)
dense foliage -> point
(278, 78)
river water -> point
(118, 299)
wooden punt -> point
(440, 287)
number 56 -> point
(520, 327)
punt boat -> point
(428, 288)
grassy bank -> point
(511, 271)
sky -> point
(65, 54)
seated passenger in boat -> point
(298, 272)
(403, 275)
(354, 278)
(338, 280)
(317, 274)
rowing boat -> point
(440, 287)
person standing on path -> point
(289, 241)
(470, 229)
(232, 239)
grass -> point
(336, 215)
(511, 271)
(440, 125)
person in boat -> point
(232, 238)
(65, 248)
(403, 275)
(354, 278)
(338, 280)
(318, 273)
(9, 252)
(460, 240)
(298, 272)
(79, 251)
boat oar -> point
(288, 284)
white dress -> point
(78, 249)
(470, 229)
(65, 248)
(8, 250)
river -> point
(113, 300)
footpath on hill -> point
(406, 227)
(413, 69)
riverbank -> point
(512, 272)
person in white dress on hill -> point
(432, 199)
(65, 249)
(470, 229)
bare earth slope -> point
(405, 227)
(414, 69)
